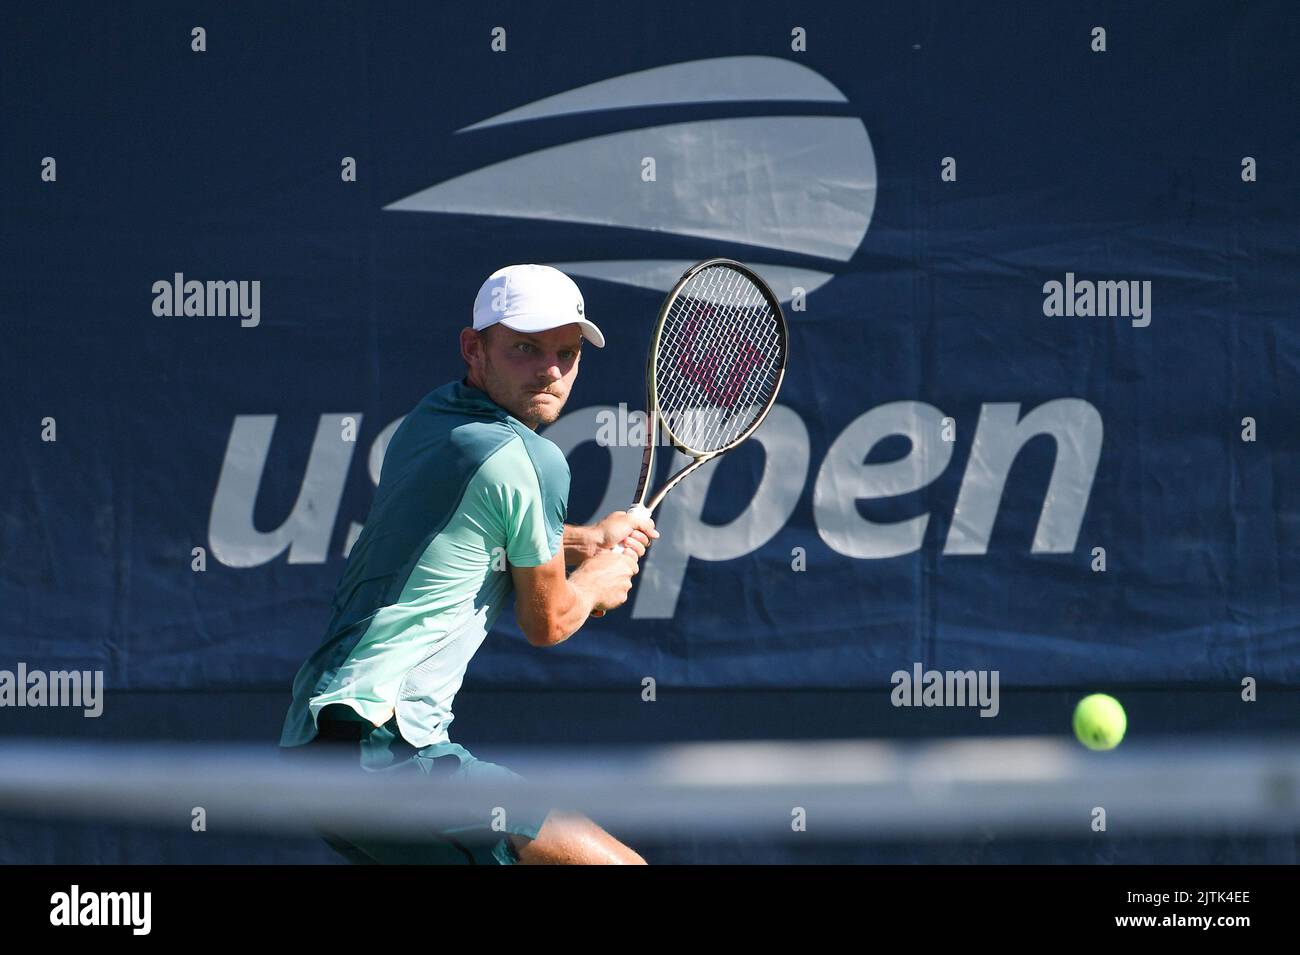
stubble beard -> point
(547, 415)
(521, 408)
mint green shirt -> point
(466, 491)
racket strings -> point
(719, 360)
(724, 386)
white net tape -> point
(867, 789)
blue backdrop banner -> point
(1041, 408)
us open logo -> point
(814, 200)
(815, 197)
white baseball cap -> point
(532, 298)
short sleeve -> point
(526, 488)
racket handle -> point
(636, 510)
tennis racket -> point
(717, 359)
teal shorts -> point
(382, 749)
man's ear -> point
(470, 345)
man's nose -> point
(552, 373)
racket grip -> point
(636, 510)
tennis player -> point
(470, 507)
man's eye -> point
(526, 348)
(568, 355)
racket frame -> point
(655, 420)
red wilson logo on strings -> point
(702, 364)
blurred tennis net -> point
(768, 790)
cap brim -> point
(589, 329)
(592, 333)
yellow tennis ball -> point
(1099, 721)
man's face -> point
(529, 374)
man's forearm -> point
(580, 542)
(578, 609)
